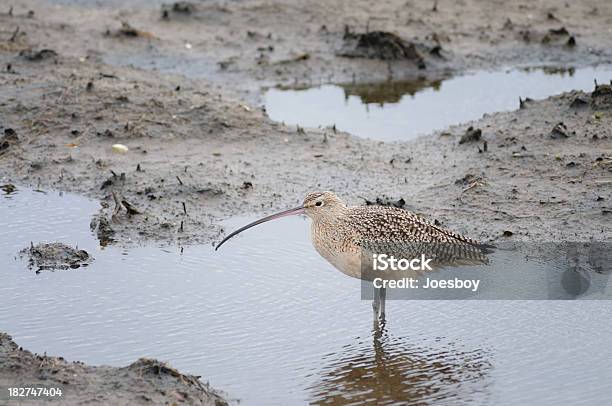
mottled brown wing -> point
(397, 232)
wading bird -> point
(348, 236)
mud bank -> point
(55, 256)
(145, 381)
(196, 156)
(198, 153)
(241, 46)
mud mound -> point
(552, 37)
(55, 256)
(178, 9)
(386, 201)
(36, 56)
(8, 188)
(154, 368)
(145, 382)
(8, 139)
(379, 45)
(558, 36)
(128, 31)
(601, 98)
(471, 134)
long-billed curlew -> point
(345, 236)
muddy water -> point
(270, 322)
(392, 111)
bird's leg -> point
(383, 301)
(376, 305)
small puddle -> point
(270, 322)
(393, 111)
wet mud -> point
(380, 45)
(55, 256)
(144, 382)
(192, 151)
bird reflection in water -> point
(392, 370)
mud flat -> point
(196, 157)
(198, 153)
(145, 381)
(241, 46)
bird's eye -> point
(319, 203)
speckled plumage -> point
(393, 224)
(344, 235)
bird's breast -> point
(338, 248)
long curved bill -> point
(290, 212)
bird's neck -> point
(330, 230)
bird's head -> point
(323, 205)
(319, 206)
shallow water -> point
(391, 111)
(270, 322)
